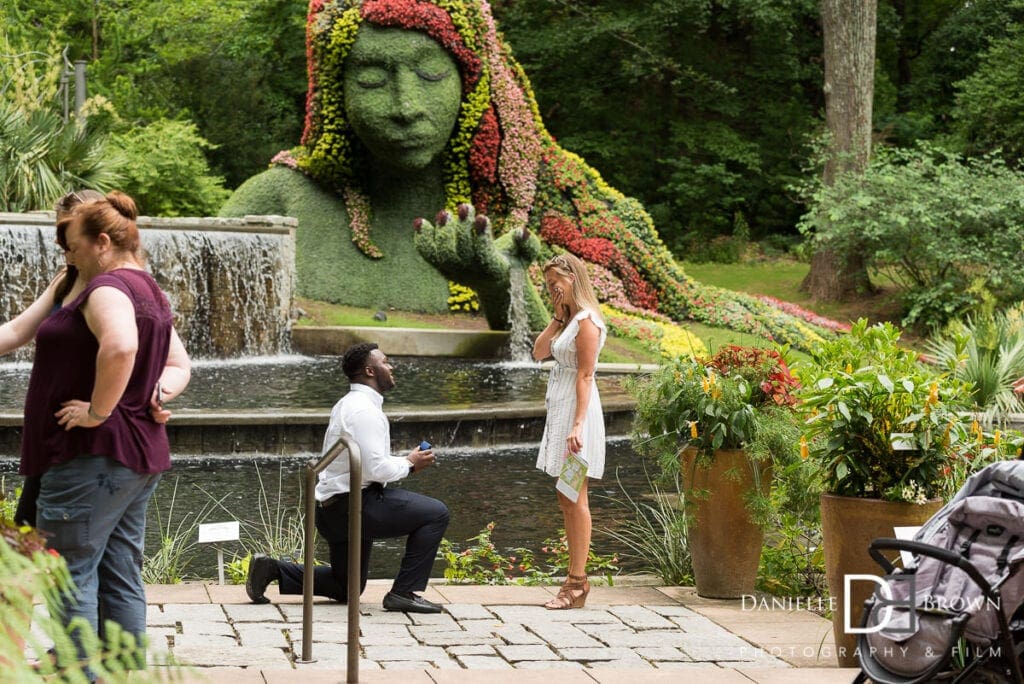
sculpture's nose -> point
(408, 100)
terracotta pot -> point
(848, 526)
(724, 542)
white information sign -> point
(218, 532)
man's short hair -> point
(353, 363)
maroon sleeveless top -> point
(64, 368)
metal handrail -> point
(355, 527)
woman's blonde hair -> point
(567, 265)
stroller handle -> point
(922, 549)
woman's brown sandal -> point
(573, 594)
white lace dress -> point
(560, 402)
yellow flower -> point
(996, 437)
(849, 368)
(804, 451)
(693, 429)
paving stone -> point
(718, 653)
(674, 611)
(262, 636)
(179, 612)
(482, 627)
(632, 639)
(725, 640)
(700, 626)
(155, 616)
(687, 665)
(389, 640)
(337, 663)
(159, 632)
(564, 636)
(204, 640)
(248, 612)
(468, 611)
(382, 630)
(452, 638)
(596, 654)
(322, 612)
(406, 665)
(661, 653)
(238, 656)
(387, 653)
(440, 620)
(517, 634)
(471, 650)
(533, 615)
(517, 653)
(639, 617)
(327, 633)
(211, 627)
(547, 665)
(627, 664)
(474, 662)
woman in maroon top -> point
(88, 428)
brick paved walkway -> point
(625, 634)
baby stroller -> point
(953, 615)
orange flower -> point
(804, 450)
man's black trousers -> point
(387, 512)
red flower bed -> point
(560, 230)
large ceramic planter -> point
(725, 544)
(848, 526)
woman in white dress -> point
(575, 423)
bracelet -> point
(96, 416)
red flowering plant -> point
(764, 369)
(740, 398)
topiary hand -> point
(464, 249)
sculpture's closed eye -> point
(432, 75)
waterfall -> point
(520, 345)
(230, 282)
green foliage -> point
(655, 533)
(29, 572)
(169, 563)
(280, 530)
(986, 352)
(689, 403)
(942, 227)
(481, 563)
(700, 108)
(984, 448)
(166, 172)
(864, 396)
(990, 103)
(41, 155)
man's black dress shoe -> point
(262, 571)
(409, 603)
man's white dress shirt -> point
(360, 413)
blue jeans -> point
(95, 510)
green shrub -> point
(944, 228)
(166, 170)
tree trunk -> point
(849, 30)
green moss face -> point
(402, 95)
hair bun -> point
(124, 204)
